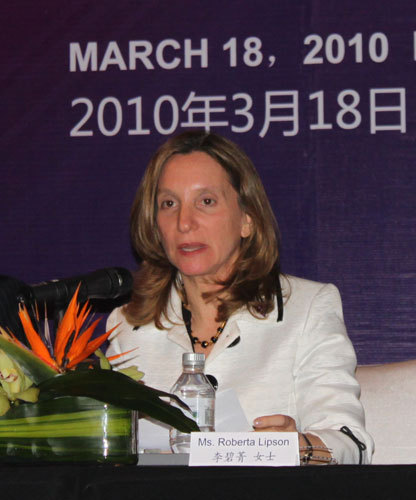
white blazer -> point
(302, 366)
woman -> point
(210, 281)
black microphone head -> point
(51, 292)
(101, 284)
(107, 283)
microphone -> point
(107, 283)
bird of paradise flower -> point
(50, 366)
(73, 343)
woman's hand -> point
(275, 423)
(284, 423)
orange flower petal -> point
(80, 318)
(79, 344)
(38, 347)
(66, 327)
(90, 348)
(116, 356)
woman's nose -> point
(186, 219)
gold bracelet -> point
(315, 447)
(309, 453)
(322, 460)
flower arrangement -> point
(55, 382)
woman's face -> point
(198, 215)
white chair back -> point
(388, 394)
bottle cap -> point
(193, 359)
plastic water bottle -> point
(194, 389)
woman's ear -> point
(246, 227)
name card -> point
(271, 449)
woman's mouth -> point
(191, 248)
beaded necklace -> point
(206, 343)
(186, 314)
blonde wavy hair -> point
(253, 280)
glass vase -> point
(68, 429)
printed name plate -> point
(271, 449)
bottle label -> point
(203, 410)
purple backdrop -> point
(319, 94)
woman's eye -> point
(167, 204)
(208, 202)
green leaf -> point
(115, 388)
(32, 366)
(4, 402)
(132, 372)
(104, 363)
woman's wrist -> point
(313, 451)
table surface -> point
(61, 482)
